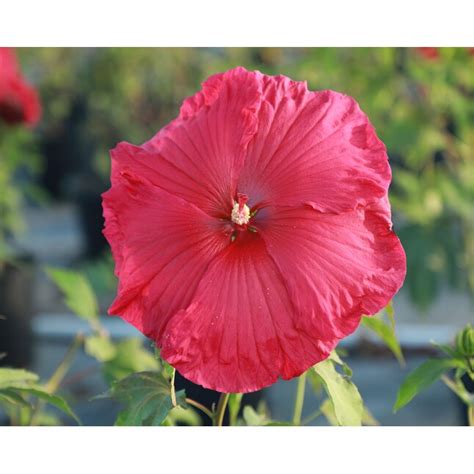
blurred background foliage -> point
(420, 102)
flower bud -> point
(465, 341)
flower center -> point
(240, 214)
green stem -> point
(55, 380)
(201, 407)
(173, 389)
(470, 415)
(221, 406)
(299, 400)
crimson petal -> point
(199, 155)
(241, 331)
(158, 241)
(336, 266)
(313, 146)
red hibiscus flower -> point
(428, 53)
(18, 100)
(253, 231)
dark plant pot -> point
(16, 285)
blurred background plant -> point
(420, 101)
(19, 108)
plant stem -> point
(299, 399)
(173, 389)
(201, 407)
(55, 380)
(470, 415)
(221, 406)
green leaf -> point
(14, 378)
(185, 416)
(327, 409)
(100, 347)
(448, 350)
(315, 381)
(368, 419)
(252, 418)
(345, 397)
(235, 400)
(131, 356)
(54, 400)
(386, 332)
(79, 296)
(11, 397)
(334, 356)
(422, 377)
(147, 397)
(47, 419)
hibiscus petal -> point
(313, 146)
(199, 155)
(241, 331)
(336, 266)
(158, 241)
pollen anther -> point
(240, 214)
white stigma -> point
(240, 214)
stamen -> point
(240, 212)
(242, 200)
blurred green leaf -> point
(449, 351)
(368, 419)
(131, 356)
(8, 396)
(147, 399)
(47, 419)
(327, 409)
(16, 378)
(54, 400)
(252, 418)
(183, 416)
(344, 395)
(334, 356)
(386, 332)
(100, 347)
(79, 296)
(421, 378)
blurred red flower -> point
(429, 52)
(252, 232)
(19, 101)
